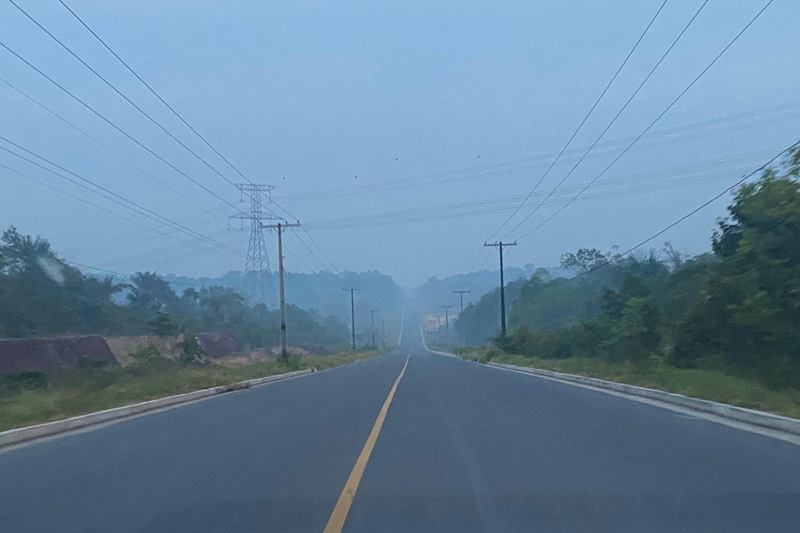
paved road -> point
(463, 447)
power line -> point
(665, 179)
(99, 142)
(110, 123)
(780, 112)
(83, 200)
(311, 251)
(698, 208)
(653, 123)
(613, 120)
(153, 91)
(694, 211)
(319, 248)
(109, 195)
(174, 112)
(122, 95)
(585, 118)
(164, 254)
(329, 263)
(118, 274)
(65, 47)
(311, 270)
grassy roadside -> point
(32, 398)
(715, 385)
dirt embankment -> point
(215, 345)
(125, 348)
(19, 355)
(51, 353)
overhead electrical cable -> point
(121, 94)
(653, 123)
(705, 204)
(164, 102)
(585, 118)
(100, 143)
(82, 200)
(108, 194)
(153, 91)
(614, 119)
(732, 122)
(113, 125)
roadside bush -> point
(23, 381)
(290, 360)
(149, 353)
(191, 352)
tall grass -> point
(35, 397)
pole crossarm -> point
(279, 226)
(461, 294)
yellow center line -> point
(339, 514)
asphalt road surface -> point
(449, 446)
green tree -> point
(635, 334)
(750, 312)
(191, 351)
(162, 325)
(224, 304)
(149, 294)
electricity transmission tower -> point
(257, 258)
(500, 245)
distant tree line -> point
(736, 308)
(42, 295)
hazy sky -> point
(401, 133)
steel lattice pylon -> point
(257, 257)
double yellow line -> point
(339, 515)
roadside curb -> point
(730, 412)
(20, 435)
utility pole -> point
(499, 245)
(383, 332)
(257, 260)
(461, 297)
(353, 313)
(280, 227)
(372, 313)
(447, 320)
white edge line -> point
(106, 417)
(693, 413)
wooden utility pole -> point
(280, 227)
(447, 320)
(372, 315)
(500, 245)
(461, 297)
(353, 313)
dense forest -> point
(42, 295)
(436, 292)
(736, 307)
(320, 291)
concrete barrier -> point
(739, 414)
(20, 435)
